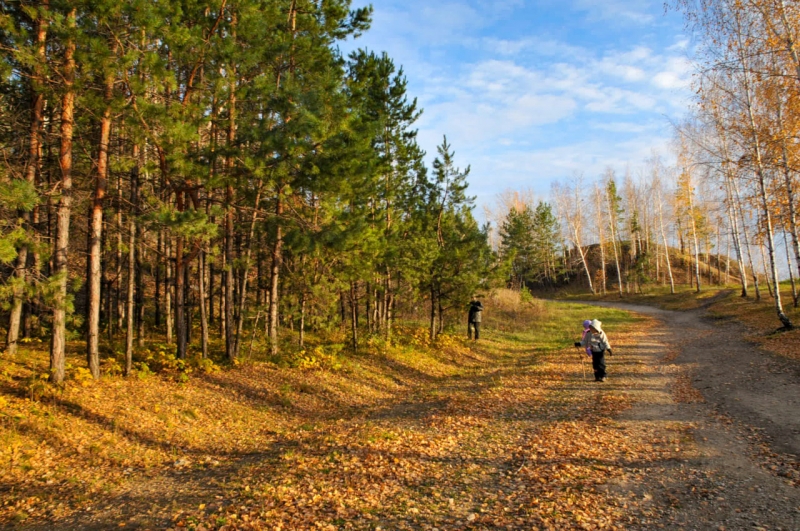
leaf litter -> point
(468, 437)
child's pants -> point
(599, 365)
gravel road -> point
(744, 422)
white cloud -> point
(472, 123)
(506, 47)
(624, 127)
(679, 46)
(503, 98)
(675, 75)
(433, 23)
(536, 169)
(618, 11)
(526, 109)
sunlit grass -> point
(758, 318)
(550, 326)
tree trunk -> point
(157, 261)
(388, 300)
(380, 301)
(666, 243)
(585, 268)
(259, 276)
(139, 301)
(277, 259)
(180, 292)
(246, 274)
(376, 306)
(433, 315)
(368, 307)
(118, 311)
(130, 313)
(789, 266)
(210, 290)
(302, 319)
(696, 243)
(96, 235)
(737, 241)
(223, 282)
(602, 244)
(188, 301)
(766, 269)
(354, 316)
(611, 223)
(342, 311)
(748, 246)
(58, 341)
(168, 289)
(253, 335)
(762, 188)
(440, 311)
(789, 38)
(201, 283)
(230, 327)
(34, 155)
(790, 201)
(727, 259)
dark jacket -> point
(475, 311)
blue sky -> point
(532, 91)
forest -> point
(214, 175)
(186, 171)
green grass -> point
(684, 298)
(553, 326)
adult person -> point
(474, 320)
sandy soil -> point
(741, 406)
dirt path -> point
(740, 408)
(517, 440)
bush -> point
(111, 367)
(80, 375)
(203, 365)
(317, 358)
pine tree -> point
(518, 245)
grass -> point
(725, 304)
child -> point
(586, 325)
(596, 342)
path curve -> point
(746, 473)
(733, 375)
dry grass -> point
(760, 320)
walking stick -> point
(583, 366)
